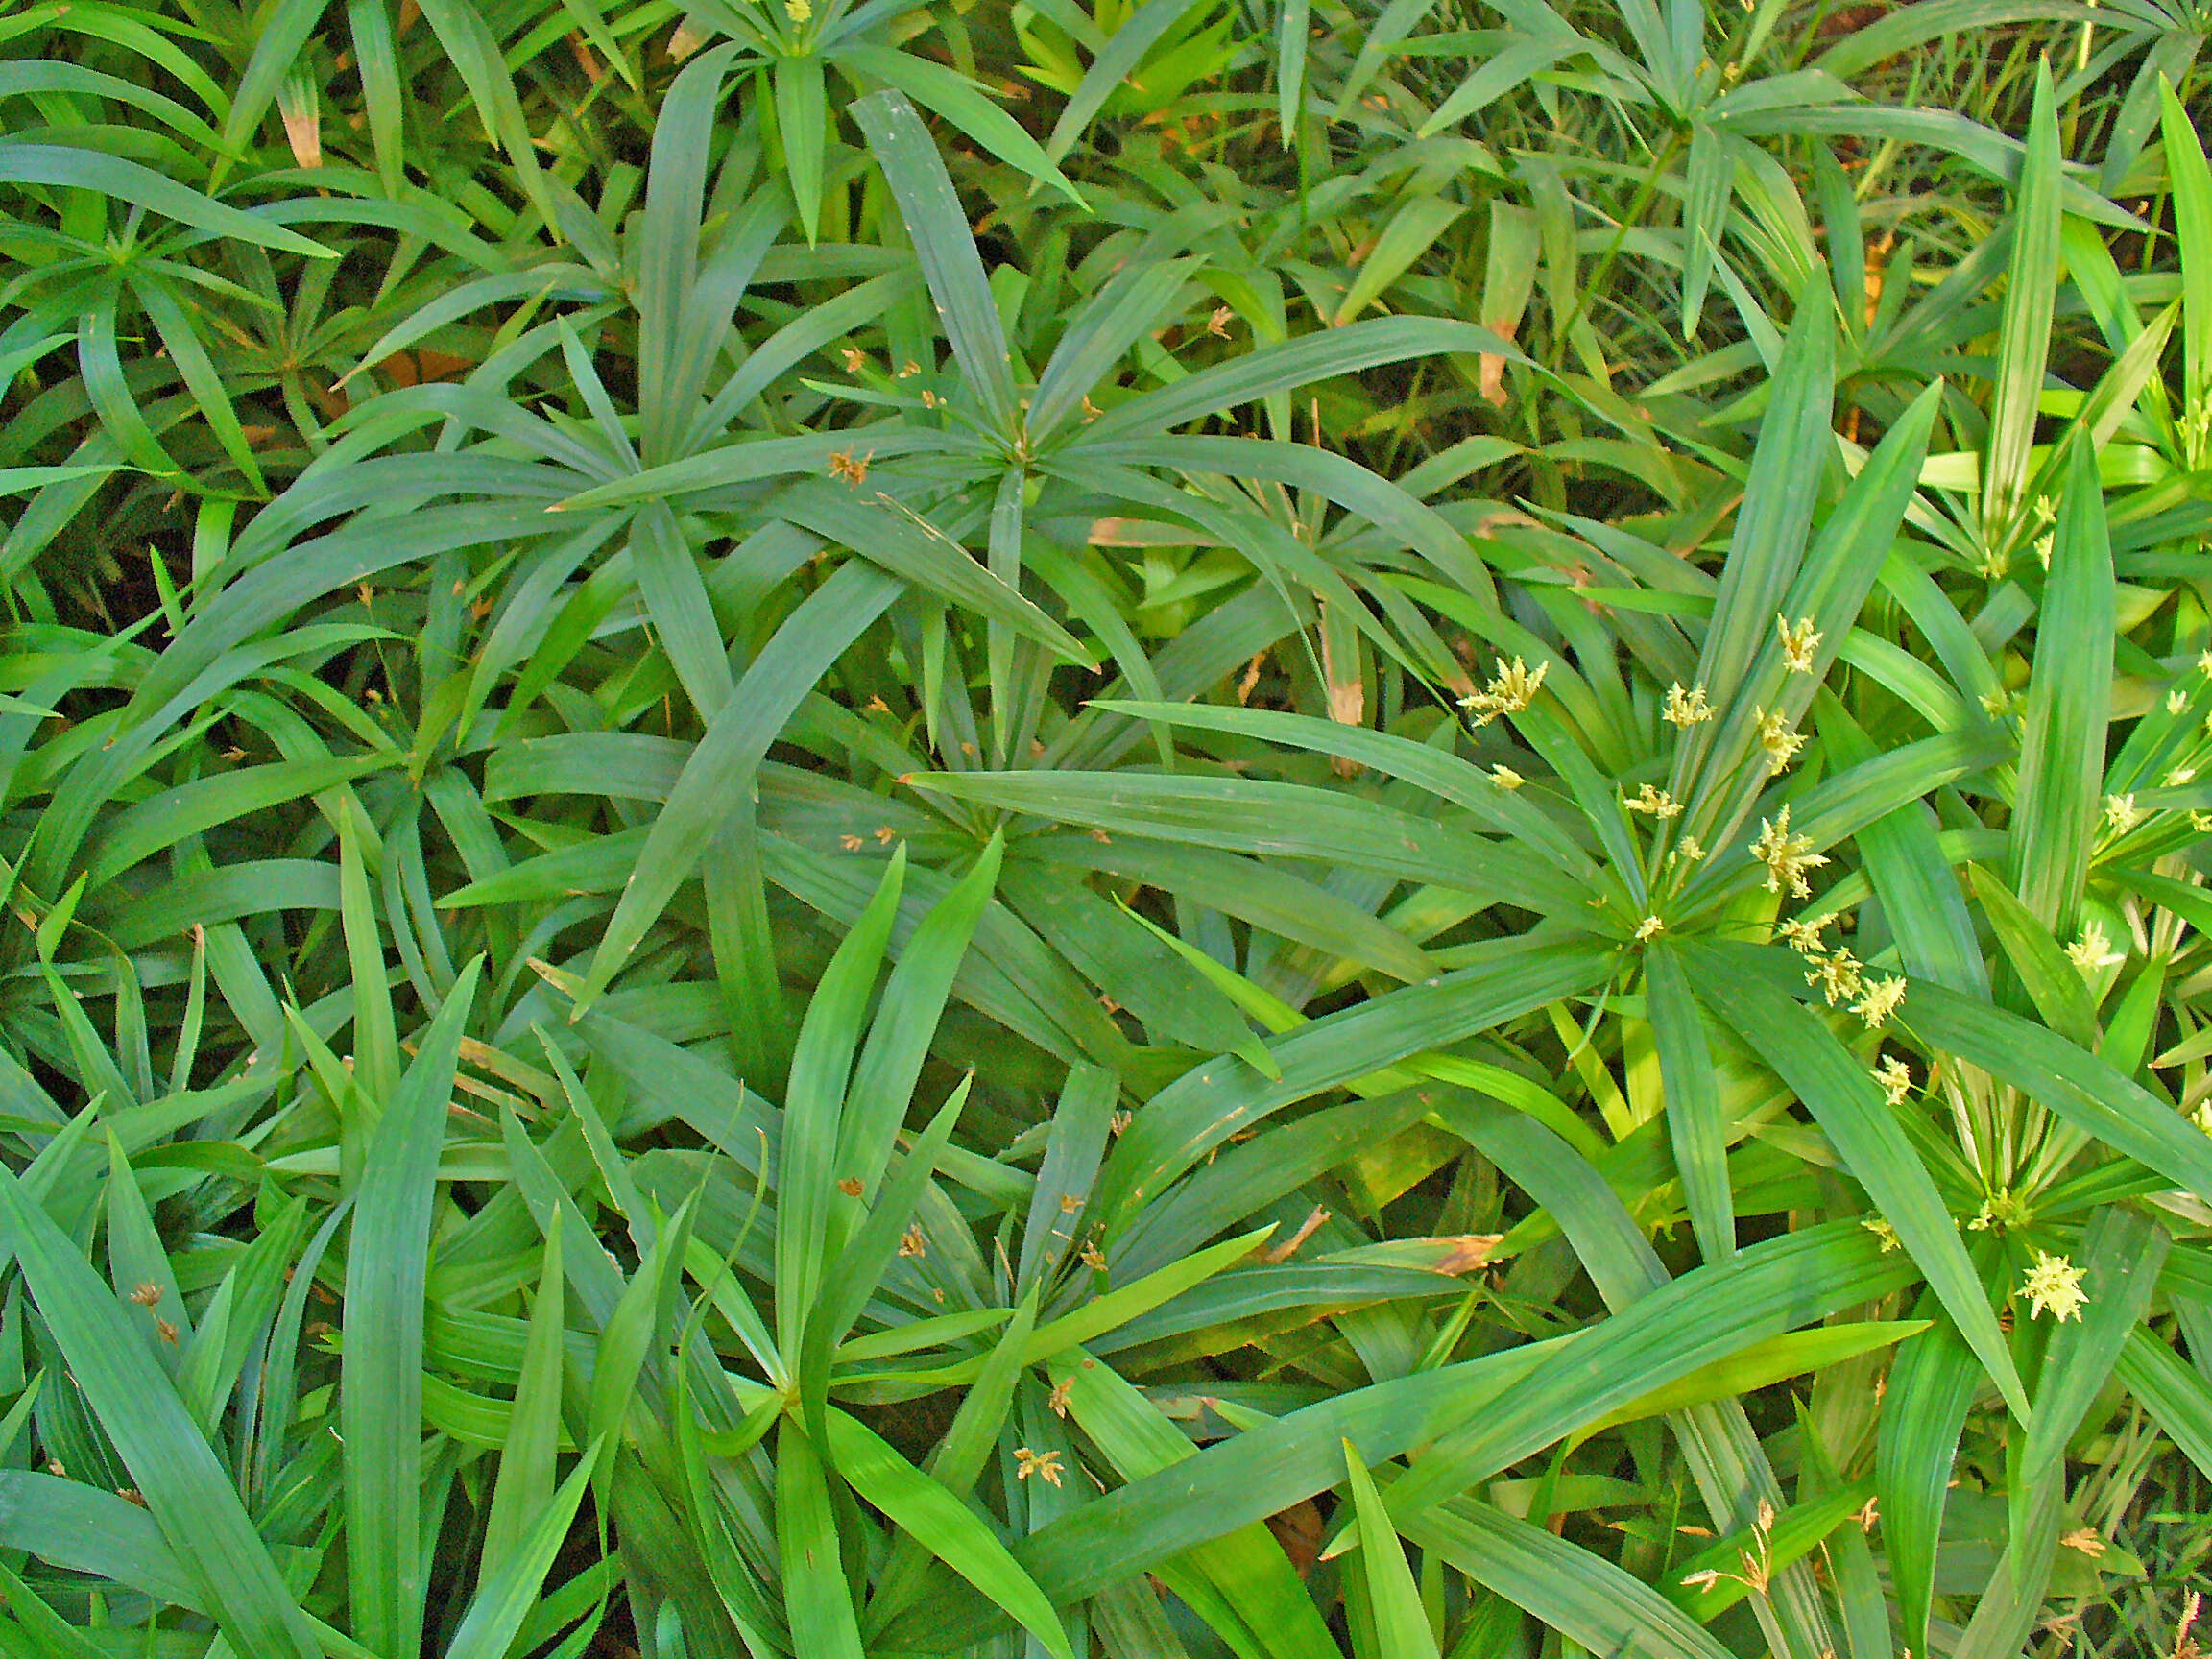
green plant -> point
(1149, 830)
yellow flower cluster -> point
(1686, 709)
(2053, 1286)
(1511, 689)
(1786, 856)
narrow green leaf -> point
(2058, 806)
(216, 1550)
(949, 262)
(1394, 1599)
(950, 1531)
(1848, 1104)
(380, 1378)
(1696, 1126)
(67, 167)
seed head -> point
(1803, 935)
(1780, 743)
(1895, 1079)
(1656, 802)
(1045, 1465)
(2122, 814)
(1838, 975)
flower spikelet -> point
(1803, 935)
(1786, 856)
(1880, 1000)
(1780, 743)
(1895, 1079)
(1686, 709)
(2053, 1286)
(2093, 951)
(1838, 975)
(1799, 641)
(1511, 689)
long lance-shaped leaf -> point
(212, 1545)
(2069, 704)
(1439, 771)
(1794, 454)
(814, 1105)
(817, 1594)
(1202, 1108)
(2024, 341)
(951, 1531)
(1393, 1598)
(2177, 1396)
(1695, 1124)
(69, 168)
(949, 262)
(2088, 1092)
(380, 1376)
(1481, 1416)
(1282, 820)
(1582, 1594)
(1932, 1387)
(722, 768)
(1848, 1104)
(2191, 175)
(909, 546)
(1305, 361)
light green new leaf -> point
(1401, 1624)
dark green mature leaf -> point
(1847, 1103)
(215, 1552)
(380, 1385)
